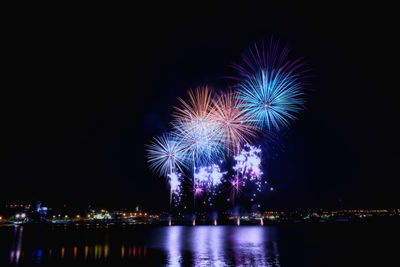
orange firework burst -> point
(197, 128)
(198, 107)
(234, 123)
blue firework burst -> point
(166, 154)
(271, 86)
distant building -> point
(38, 213)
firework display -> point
(176, 185)
(271, 86)
(248, 170)
(210, 128)
(208, 178)
(197, 130)
(233, 121)
(166, 156)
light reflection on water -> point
(220, 246)
(15, 252)
(169, 246)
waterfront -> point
(339, 244)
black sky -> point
(83, 91)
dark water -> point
(295, 245)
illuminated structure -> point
(38, 213)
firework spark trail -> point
(166, 155)
(175, 183)
(248, 165)
(271, 86)
(216, 175)
(208, 178)
(198, 131)
(248, 162)
(234, 123)
(202, 140)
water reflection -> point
(171, 246)
(37, 256)
(15, 252)
(220, 246)
(206, 245)
(252, 247)
(174, 235)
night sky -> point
(83, 92)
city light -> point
(105, 216)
